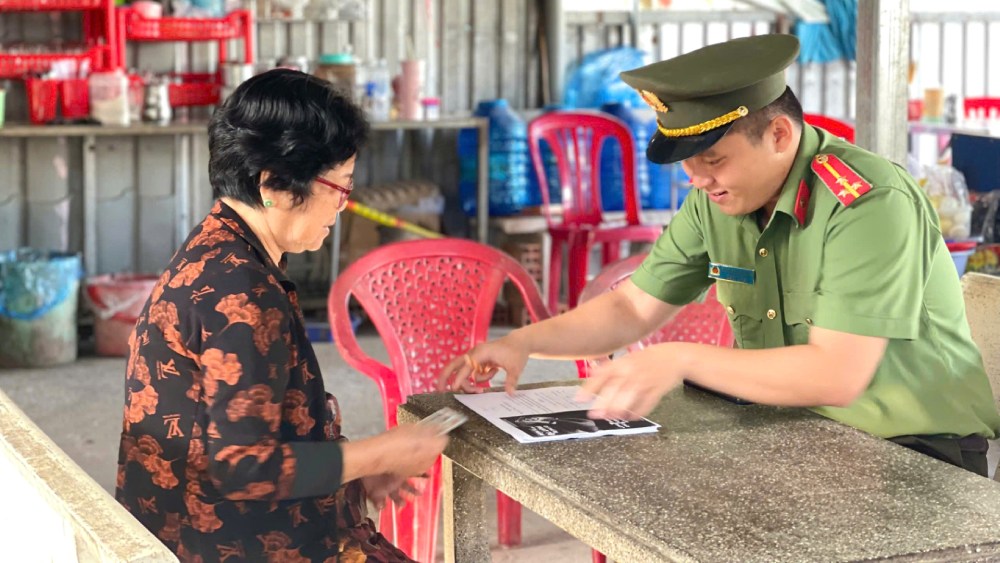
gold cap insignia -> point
(653, 101)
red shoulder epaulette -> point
(842, 180)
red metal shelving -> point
(16, 65)
(138, 28)
(49, 5)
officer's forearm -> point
(597, 327)
(797, 376)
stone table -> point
(721, 482)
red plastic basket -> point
(14, 65)
(194, 94)
(48, 5)
(138, 28)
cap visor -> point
(666, 150)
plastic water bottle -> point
(612, 175)
(508, 161)
(551, 167)
(377, 100)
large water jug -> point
(668, 184)
(551, 171)
(508, 163)
(612, 175)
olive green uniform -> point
(877, 266)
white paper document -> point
(547, 414)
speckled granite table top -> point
(724, 482)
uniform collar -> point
(232, 221)
(795, 192)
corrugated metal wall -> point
(474, 50)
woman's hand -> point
(387, 485)
(407, 450)
(481, 363)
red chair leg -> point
(555, 275)
(597, 557)
(579, 255)
(508, 521)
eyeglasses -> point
(346, 191)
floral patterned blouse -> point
(229, 449)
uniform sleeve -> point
(246, 357)
(876, 259)
(676, 270)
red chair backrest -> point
(831, 125)
(430, 300)
(982, 108)
(576, 139)
(705, 322)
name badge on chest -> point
(730, 273)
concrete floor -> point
(79, 406)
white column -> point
(882, 54)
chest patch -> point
(730, 273)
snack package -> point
(946, 188)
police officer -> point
(829, 260)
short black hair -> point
(293, 125)
(754, 124)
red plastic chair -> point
(832, 125)
(575, 139)
(705, 322)
(430, 300)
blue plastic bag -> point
(594, 81)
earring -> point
(268, 203)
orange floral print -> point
(192, 270)
(233, 455)
(287, 476)
(203, 517)
(238, 309)
(268, 331)
(350, 551)
(187, 557)
(254, 491)
(147, 452)
(211, 234)
(196, 458)
(171, 530)
(256, 403)
(219, 366)
(158, 288)
(274, 541)
(163, 314)
(140, 404)
(296, 411)
(136, 367)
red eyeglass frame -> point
(339, 188)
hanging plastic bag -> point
(946, 188)
(594, 81)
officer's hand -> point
(481, 363)
(629, 387)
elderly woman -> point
(231, 448)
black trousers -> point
(968, 452)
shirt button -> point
(762, 252)
(730, 310)
(809, 321)
(771, 313)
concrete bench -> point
(52, 511)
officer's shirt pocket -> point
(745, 314)
(799, 307)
